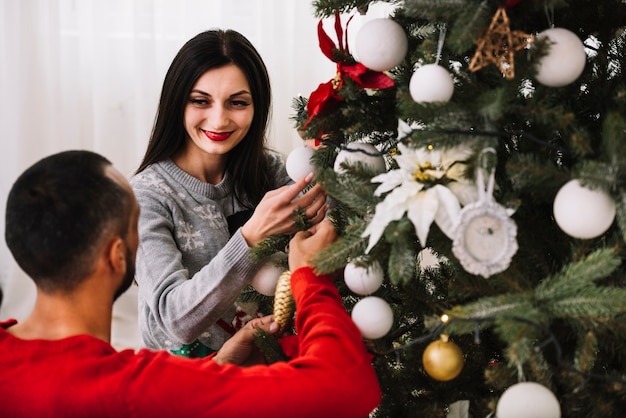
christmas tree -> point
(475, 155)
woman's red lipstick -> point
(217, 136)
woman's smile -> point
(217, 136)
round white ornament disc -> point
(381, 44)
(363, 280)
(373, 317)
(431, 83)
(565, 60)
(265, 279)
(298, 163)
(528, 400)
(582, 212)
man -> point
(71, 224)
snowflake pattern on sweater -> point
(190, 270)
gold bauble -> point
(443, 359)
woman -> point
(209, 189)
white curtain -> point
(87, 74)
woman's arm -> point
(188, 275)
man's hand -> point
(306, 244)
(240, 349)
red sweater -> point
(84, 376)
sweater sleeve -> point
(332, 376)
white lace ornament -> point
(484, 240)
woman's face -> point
(219, 110)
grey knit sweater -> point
(190, 270)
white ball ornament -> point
(528, 400)
(373, 317)
(363, 280)
(265, 279)
(298, 163)
(366, 154)
(582, 212)
(565, 59)
(381, 44)
(431, 83)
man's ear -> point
(117, 255)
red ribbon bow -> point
(326, 95)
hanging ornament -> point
(298, 163)
(443, 359)
(499, 45)
(485, 238)
(265, 279)
(582, 212)
(565, 59)
(284, 304)
(528, 400)
(373, 317)
(431, 83)
(360, 152)
(381, 44)
(362, 279)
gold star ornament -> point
(499, 44)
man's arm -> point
(331, 375)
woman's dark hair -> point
(247, 164)
(58, 213)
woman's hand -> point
(240, 349)
(275, 213)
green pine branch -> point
(356, 191)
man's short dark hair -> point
(58, 213)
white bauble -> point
(381, 44)
(581, 212)
(366, 154)
(431, 83)
(528, 400)
(373, 317)
(565, 60)
(298, 163)
(363, 280)
(265, 279)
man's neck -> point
(61, 315)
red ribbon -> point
(510, 3)
(326, 95)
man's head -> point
(62, 211)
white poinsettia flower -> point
(416, 188)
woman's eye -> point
(199, 102)
(240, 103)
